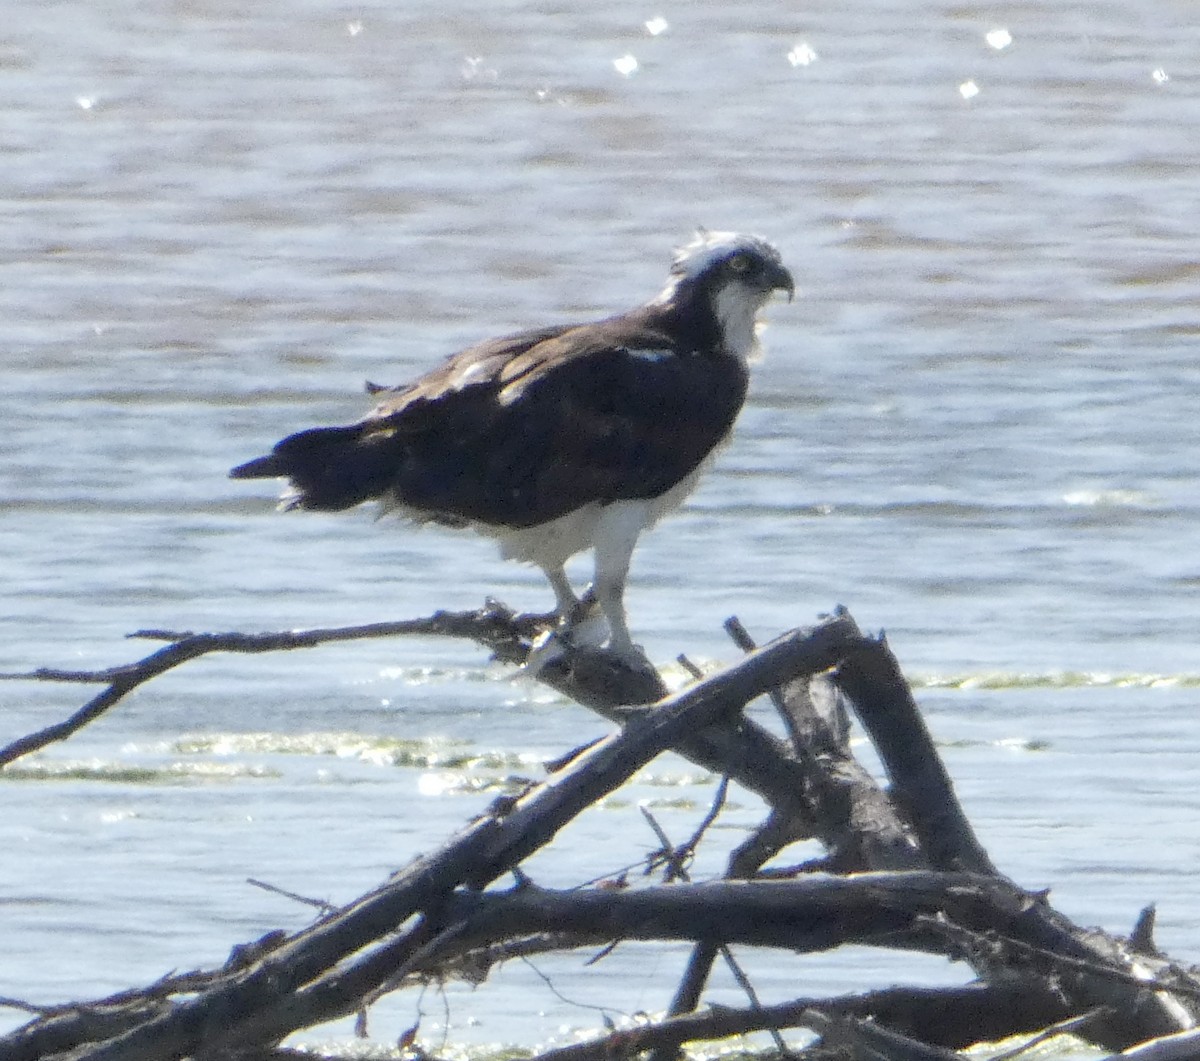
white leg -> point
(564, 596)
(579, 623)
(616, 534)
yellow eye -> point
(740, 263)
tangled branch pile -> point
(902, 869)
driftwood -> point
(902, 870)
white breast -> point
(554, 543)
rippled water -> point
(974, 428)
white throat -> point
(736, 308)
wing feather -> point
(519, 431)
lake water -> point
(975, 427)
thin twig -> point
(964, 937)
(741, 637)
(320, 904)
(676, 859)
(714, 811)
(743, 981)
(25, 1007)
(1072, 1024)
(689, 666)
(673, 859)
(606, 1010)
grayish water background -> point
(975, 428)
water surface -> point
(974, 427)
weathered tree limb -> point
(1182, 1046)
(743, 751)
(854, 820)
(858, 823)
(746, 752)
(809, 914)
(871, 678)
(261, 999)
(951, 1017)
(865, 1041)
(491, 624)
(883, 909)
(431, 915)
(837, 802)
(813, 913)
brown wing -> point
(521, 430)
(478, 366)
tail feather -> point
(268, 467)
(330, 468)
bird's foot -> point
(613, 673)
(584, 627)
(579, 613)
(599, 663)
(555, 645)
(549, 647)
(533, 625)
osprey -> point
(560, 439)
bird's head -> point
(734, 275)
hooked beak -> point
(781, 280)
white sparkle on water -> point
(802, 54)
(626, 66)
(473, 69)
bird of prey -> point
(563, 438)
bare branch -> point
(951, 1017)
(434, 919)
(319, 972)
(871, 677)
(321, 904)
(491, 625)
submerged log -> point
(903, 869)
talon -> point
(546, 649)
(586, 626)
